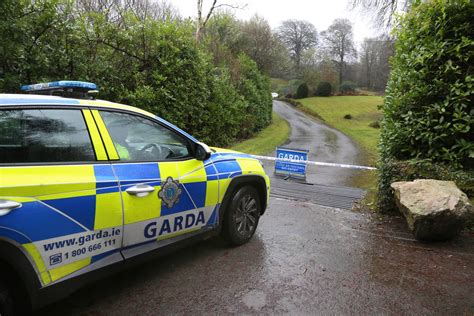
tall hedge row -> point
(152, 64)
(428, 109)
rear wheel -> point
(6, 300)
(242, 216)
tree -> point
(340, 44)
(202, 20)
(298, 36)
(368, 60)
(374, 61)
(383, 10)
(259, 43)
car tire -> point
(241, 216)
(6, 300)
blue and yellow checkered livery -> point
(76, 218)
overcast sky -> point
(319, 12)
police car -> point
(88, 185)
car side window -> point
(44, 135)
(140, 139)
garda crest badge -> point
(170, 192)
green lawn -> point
(367, 92)
(277, 84)
(363, 110)
(265, 141)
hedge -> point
(428, 108)
(152, 64)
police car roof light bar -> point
(65, 88)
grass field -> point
(265, 141)
(278, 83)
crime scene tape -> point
(316, 163)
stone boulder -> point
(435, 210)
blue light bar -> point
(82, 85)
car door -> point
(59, 197)
(167, 195)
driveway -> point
(324, 143)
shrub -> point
(255, 89)
(375, 124)
(348, 117)
(302, 91)
(428, 106)
(347, 87)
(324, 89)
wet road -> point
(304, 259)
(324, 144)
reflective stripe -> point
(40, 266)
(95, 136)
(109, 144)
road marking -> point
(317, 163)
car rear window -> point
(44, 135)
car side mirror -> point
(203, 152)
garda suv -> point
(86, 185)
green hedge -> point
(152, 64)
(428, 108)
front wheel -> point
(6, 300)
(241, 217)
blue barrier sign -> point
(291, 162)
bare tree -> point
(368, 59)
(113, 10)
(383, 11)
(259, 42)
(160, 10)
(202, 19)
(298, 36)
(375, 55)
(339, 42)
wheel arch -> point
(258, 182)
(17, 269)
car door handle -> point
(8, 206)
(140, 190)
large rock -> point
(434, 210)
